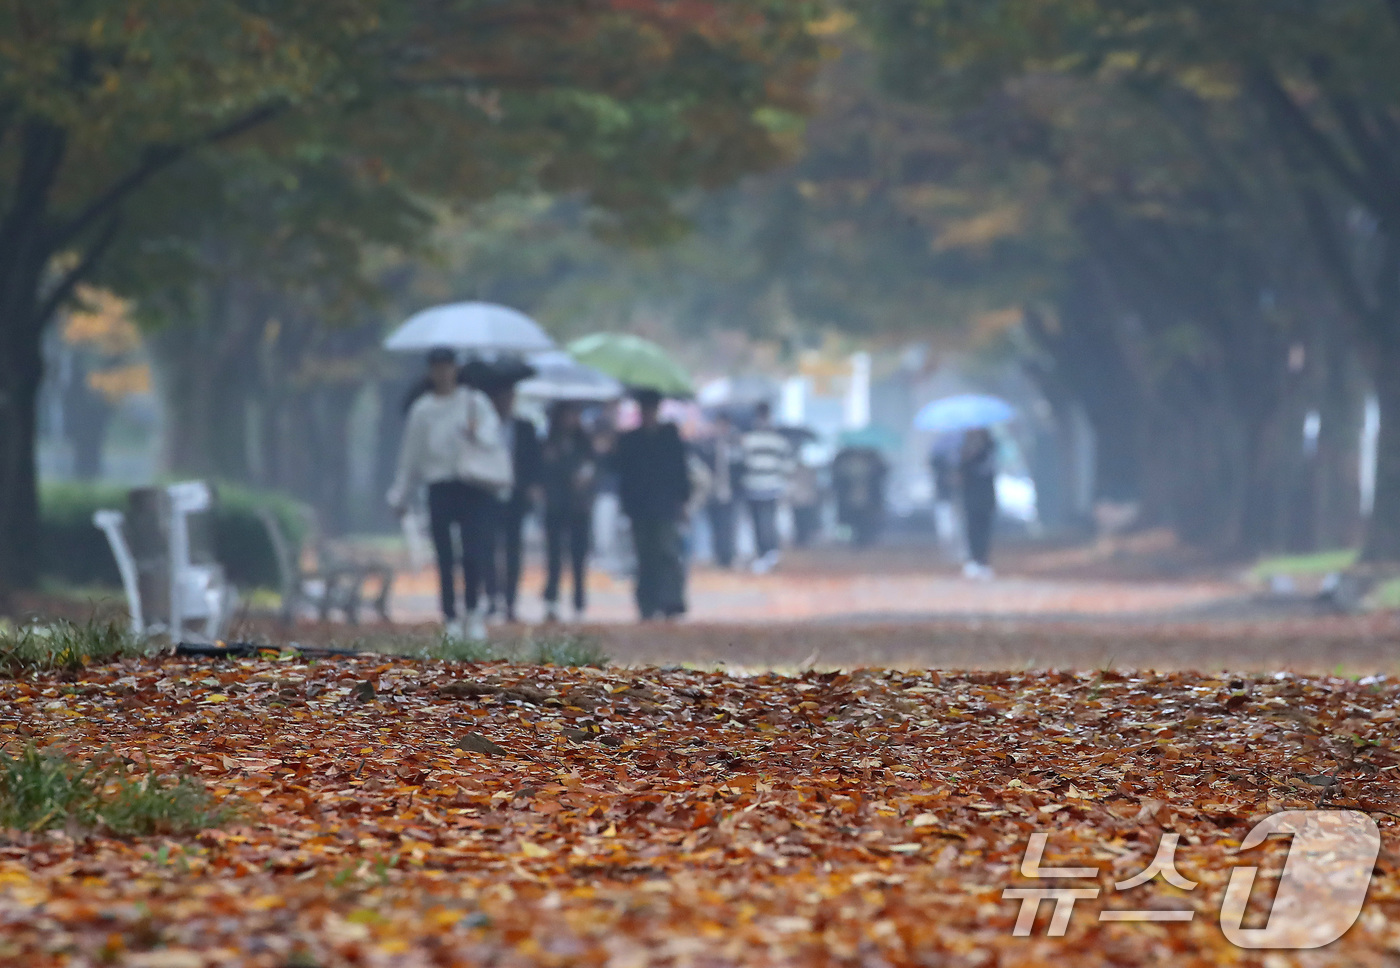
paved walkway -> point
(740, 598)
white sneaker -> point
(761, 566)
(453, 632)
(551, 613)
(774, 558)
(476, 627)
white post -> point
(858, 393)
(186, 498)
(111, 524)
(1370, 437)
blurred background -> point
(1164, 234)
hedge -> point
(74, 551)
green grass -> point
(1386, 596)
(65, 646)
(1300, 566)
(41, 791)
(568, 651)
(445, 649)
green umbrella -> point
(873, 436)
(631, 360)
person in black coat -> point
(570, 477)
(524, 445)
(977, 473)
(654, 486)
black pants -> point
(472, 510)
(504, 580)
(980, 511)
(765, 524)
(574, 528)
(721, 514)
(660, 567)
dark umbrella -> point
(491, 375)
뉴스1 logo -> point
(1321, 889)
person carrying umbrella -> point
(452, 444)
(971, 415)
(977, 473)
(569, 467)
(654, 487)
(520, 439)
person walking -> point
(654, 486)
(520, 440)
(859, 474)
(943, 465)
(977, 473)
(768, 462)
(452, 444)
(724, 457)
(569, 470)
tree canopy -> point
(623, 101)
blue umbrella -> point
(964, 413)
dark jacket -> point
(527, 461)
(977, 473)
(569, 471)
(709, 453)
(653, 479)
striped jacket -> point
(768, 463)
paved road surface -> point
(739, 598)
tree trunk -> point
(24, 257)
(20, 376)
(86, 418)
(1383, 529)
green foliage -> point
(40, 790)
(568, 651)
(564, 650)
(65, 647)
(1314, 565)
(136, 807)
(74, 550)
(446, 649)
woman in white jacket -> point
(452, 443)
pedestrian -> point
(723, 455)
(858, 475)
(768, 464)
(977, 474)
(569, 469)
(521, 441)
(608, 550)
(805, 495)
(943, 463)
(452, 444)
(654, 486)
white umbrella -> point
(473, 326)
(558, 376)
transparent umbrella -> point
(474, 327)
(558, 376)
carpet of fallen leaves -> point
(416, 813)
